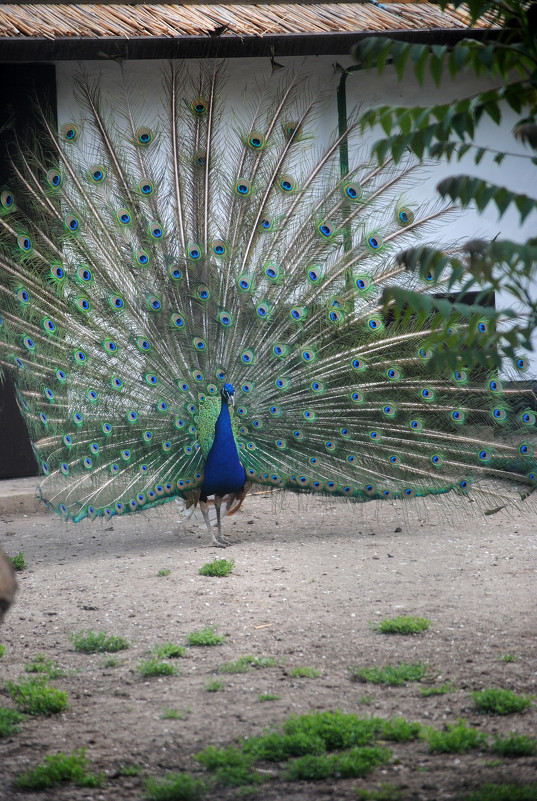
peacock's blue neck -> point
(223, 469)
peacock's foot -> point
(224, 541)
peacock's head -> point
(228, 394)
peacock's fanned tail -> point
(145, 262)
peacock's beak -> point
(232, 400)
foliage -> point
(59, 768)
(175, 787)
(2, 651)
(112, 662)
(46, 666)
(268, 697)
(152, 667)
(504, 792)
(206, 636)
(130, 770)
(515, 745)
(8, 721)
(404, 624)
(213, 685)
(18, 561)
(240, 666)
(305, 673)
(36, 698)
(164, 571)
(218, 567)
(169, 650)
(175, 714)
(394, 675)
(448, 131)
(387, 792)
(456, 738)
(354, 764)
(500, 702)
(443, 689)
(508, 658)
(97, 642)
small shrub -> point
(515, 745)
(353, 764)
(205, 637)
(400, 730)
(59, 768)
(169, 651)
(268, 697)
(240, 666)
(508, 658)
(404, 624)
(337, 729)
(305, 673)
(504, 792)
(393, 675)
(164, 571)
(2, 651)
(457, 738)
(218, 567)
(130, 770)
(213, 685)
(175, 787)
(500, 702)
(18, 561)
(9, 718)
(387, 792)
(448, 687)
(152, 667)
(261, 661)
(97, 642)
(112, 662)
(175, 714)
(36, 698)
(45, 666)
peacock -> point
(192, 305)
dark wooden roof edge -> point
(143, 47)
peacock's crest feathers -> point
(145, 262)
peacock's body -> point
(148, 265)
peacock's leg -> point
(205, 512)
(223, 541)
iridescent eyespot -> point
(416, 425)
(49, 326)
(202, 292)
(352, 191)
(263, 310)
(243, 187)
(154, 303)
(54, 178)
(308, 355)
(425, 353)
(266, 222)
(256, 140)
(144, 136)
(484, 456)
(110, 346)
(315, 273)
(482, 327)
(200, 158)
(409, 492)
(437, 460)
(175, 272)
(116, 383)
(199, 106)
(286, 183)
(199, 344)
(326, 229)
(143, 344)
(374, 435)
(123, 216)
(458, 416)
(404, 216)
(374, 323)
(525, 450)
(24, 242)
(116, 302)
(151, 379)
(357, 397)
(155, 231)
(177, 320)
(218, 247)
(528, 418)
(374, 242)
(106, 429)
(499, 414)
(194, 252)
(142, 258)
(495, 386)
(57, 272)
(522, 364)
(97, 174)
(317, 386)
(83, 304)
(224, 318)
(280, 350)
(393, 373)
(362, 283)
(272, 271)
(145, 187)
(7, 201)
(427, 394)
(247, 357)
(244, 283)
(282, 383)
(69, 132)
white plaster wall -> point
(366, 89)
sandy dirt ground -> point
(310, 577)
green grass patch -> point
(353, 764)
(45, 667)
(153, 667)
(305, 673)
(205, 637)
(393, 675)
(130, 770)
(112, 662)
(2, 651)
(35, 697)
(175, 787)
(213, 685)
(218, 567)
(18, 561)
(240, 666)
(404, 624)
(500, 702)
(97, 642)
(515, 745)
(268, 697)
(387, 792)
(456, 738)
(175, 714)
(508, 658)
(504, 792)
(57, 769)
(169, 651)
(9, 720)
(443, 689)
(164, 571)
